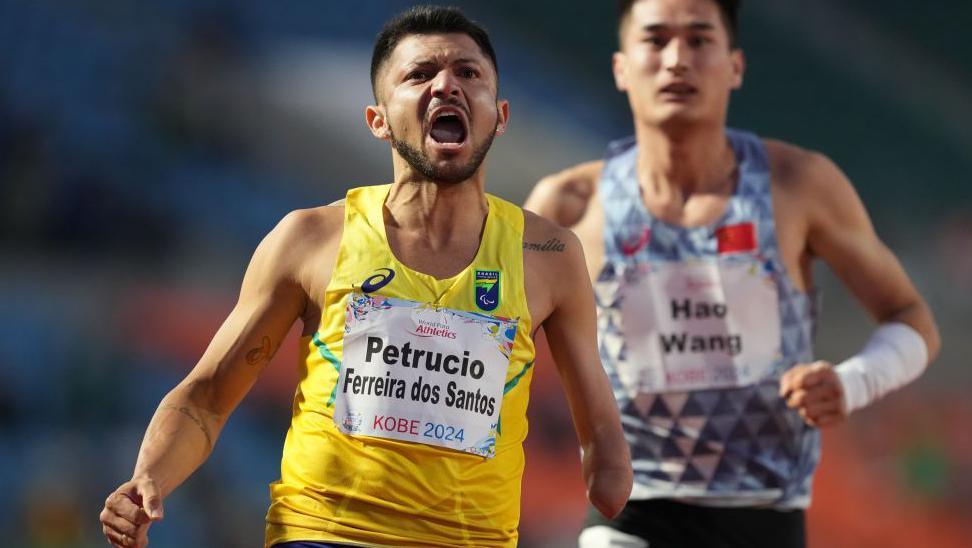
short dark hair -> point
(728, 9)
(426, 20)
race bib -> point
(418, 373)
(699, 324)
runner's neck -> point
(677, 166)
(437, 213)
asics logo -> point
(378, 280)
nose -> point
(675, 56)
(445, 84)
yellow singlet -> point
(375, 491)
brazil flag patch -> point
(487, 284)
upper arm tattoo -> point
(261, 354)
(553, 245)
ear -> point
(738, 61)
(375, 117)
(503, 116)
(619, 65)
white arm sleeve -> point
(895, 355)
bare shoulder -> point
(554, 267)
(808, 185)
(312, 227)
(579, 179)
(563, 197)
(299, 239)
(807, 173)
(549, 246)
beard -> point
(448, 175)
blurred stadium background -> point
(146, 147)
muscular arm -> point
(840, 232)
(189, 419)
(572, 334)
(563, 197)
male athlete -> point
(700, 240)
(419, 300)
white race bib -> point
(423, 374)
(698, 324)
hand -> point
(814, 390)
(129, 512)
(609, 491)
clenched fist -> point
(814, 390)
(129, 512)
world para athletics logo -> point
(487, 284)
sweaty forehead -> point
(435, 48)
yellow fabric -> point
(373, 491)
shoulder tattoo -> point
(553, 245)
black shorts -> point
(669, 524)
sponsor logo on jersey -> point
(378, 280)
(632, 246)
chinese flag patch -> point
(739, 238)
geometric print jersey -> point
(738, 446)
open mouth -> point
(448, 127)
(679, 89)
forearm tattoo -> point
(198, 420)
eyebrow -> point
(698, 26)
(432, 61)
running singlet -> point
(409, 418)
(696, 326)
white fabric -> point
(602, 536)
(697, 325)
(422, 374)
(895, 355)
